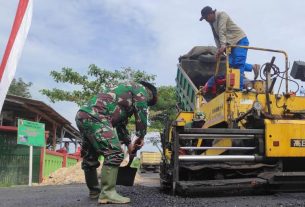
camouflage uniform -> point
(105, 112)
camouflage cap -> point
(153, 91)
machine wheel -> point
(157, 169)
(142, 169)
(165, 177)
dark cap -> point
(205, 12)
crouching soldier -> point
(102, 123)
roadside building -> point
(14, 162)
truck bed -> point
(191, 74)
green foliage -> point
(97, 78)
(20, 88)
(165, 109)
(91, 83)
(5, 184)
(166, 98)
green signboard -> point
(31, 133)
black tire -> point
(165, 178)
(142, 169)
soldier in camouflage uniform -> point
(102, 123)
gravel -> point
(144, 193)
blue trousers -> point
(237, 59)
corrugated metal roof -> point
(31, 108)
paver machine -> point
(249, 138)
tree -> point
(90, 84)
(20, 88)
(165, 109)
(96, 79)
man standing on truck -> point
(102, 123)
(226, 32)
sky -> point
(146, 35)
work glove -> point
(136, 145)
(139, 143)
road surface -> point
(144, 193)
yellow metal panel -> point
(168, 153)
(181, 119)
(289, 135)
(219, 143)
(215, 110)
(293, 103)
(241, 103)
(184, 117)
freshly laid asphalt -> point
(146, 193)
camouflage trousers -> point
(99, 138)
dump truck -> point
(150, 161)
(250, 138)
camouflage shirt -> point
(120, 103)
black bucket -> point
(126, 176)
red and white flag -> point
(14, 46)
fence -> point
(14, 161)
(55, 160)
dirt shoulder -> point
(73, 175)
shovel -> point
(128, 169)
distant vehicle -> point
(150, 161)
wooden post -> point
(64, 163)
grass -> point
(5, 185)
